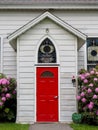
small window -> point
(47, 52)
(47, 74)
(92, 52)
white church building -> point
(43, 43)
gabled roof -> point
(54, 18)
(48, 4)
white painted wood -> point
(85, 21)
(40, 18)
(81, 58)
(1, 54)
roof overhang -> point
(49, 4)
(12, 37)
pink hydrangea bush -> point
(7, 98)
(88, 95)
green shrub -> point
(7, 98)
(88, 96)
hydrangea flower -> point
(96, 90)
(78, 98)
(89, 90)
(3, 99)
(83, 100)
(95, 79)
(91, 84)
(94, 96)
(90, 106)
(82, 77)
(4, 81)
(92, 72)
(87, 74)
(8, 95)
(82, 94)
(85, 81)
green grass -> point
(13, 126)
(83, 127)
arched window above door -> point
(47, 52)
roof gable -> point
(40, 18)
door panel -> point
(47, 94)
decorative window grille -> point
(47, 52)
(92, 53)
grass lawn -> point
(83, 127)
(13, 126)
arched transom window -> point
(47, 52)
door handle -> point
(55, 97)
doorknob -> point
(55, 97)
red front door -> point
(47, 94)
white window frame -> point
(1, 54)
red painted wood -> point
(47, 90)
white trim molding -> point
(54, 43)
(14, 35)
(1, 54)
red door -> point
(47, 94)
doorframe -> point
(57, 66)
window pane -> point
(46, 52)
(47, 74)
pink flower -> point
(92, 72)
(8, 95)
(87, 74)
(96, 72)
(94, 96)
(82, 94)
(85, 81)
(95, 79)
(91, 85)
(90, 105)
(89, 90)
(78, 98)
(82, 77)
(1, 103)
(3, 99)
(4, 81)
(96, 90)
(83, 100)
(97, 112)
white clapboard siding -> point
(26, 49)
(0, 56)
(85, 21)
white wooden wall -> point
(10, 20)
(85, 21)
(27, 46)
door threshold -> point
(46, 122)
